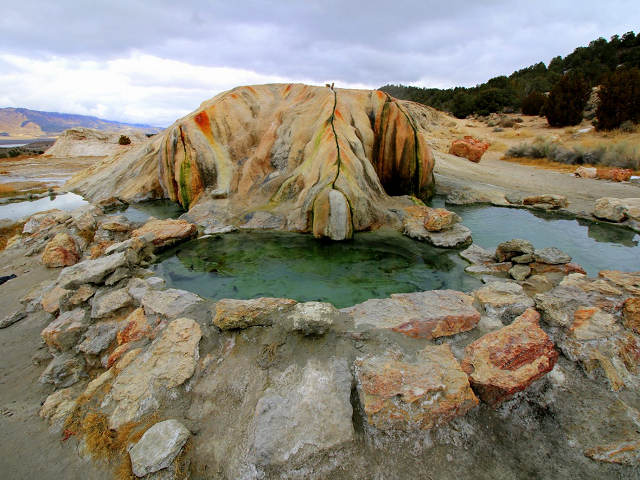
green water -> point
(594, 245)
(161, 209)
(269, 264)
(377, 264)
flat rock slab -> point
(64, 332)
(91, 271)
(232, 314)
(305, 412)
(478, 255)
(413, 395)
(456, 236)
(551, 255)
(158, 447)
(508, 360)
(170, 303)
(430, 314)
(166, 232)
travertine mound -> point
(87, 142)
(305, 158)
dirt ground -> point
(27, 449)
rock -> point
(513, 248)
(565, 269)
(168, 363)
(419, 395)
(615, 174)
(631, 314)
(61, 251)
(503, 300)
(617, 209)
(166, 232)
(523, 259)
(469, 148)
(456, 236)
(581, 281)
(81, 295)
(508, 360)
(629, 281)
(99, 337)
(546, 201)
(332, 216)
(520, 272)
(64, 332)
(137, 327)
(158, 447)
(313, 318)
(169, 303)
(551, 256)
(430, 314)
(591, 323)
(84, 218)
(626, 452)
(52, 299)
(91, 271)
(64, 370)
(478, 255)
(258, 312)
(106, 303)
(365, 145)
(12, 318)
(118, 274)
(438, 219)
(536, 284)
(57, 407)
(586, 172)
(493, 269)
(305, 412)
(116, 223)
(138, 287)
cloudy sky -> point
(153, 61)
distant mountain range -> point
(22, 122)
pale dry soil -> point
(494, 176)
(27, 449)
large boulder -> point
(617, 209)
(320, 160)
(167, 364)
(61, 251)
(423, 394)
(508, 360)
(233, 314)
(469, 148)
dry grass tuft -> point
(9, 232)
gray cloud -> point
(357, 42)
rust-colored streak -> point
(204, 124)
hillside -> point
(22, 122)
(506, 93)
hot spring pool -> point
(377, 264)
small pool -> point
(162, 209)
(66, 201)
(270, 264)
(594, 245)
